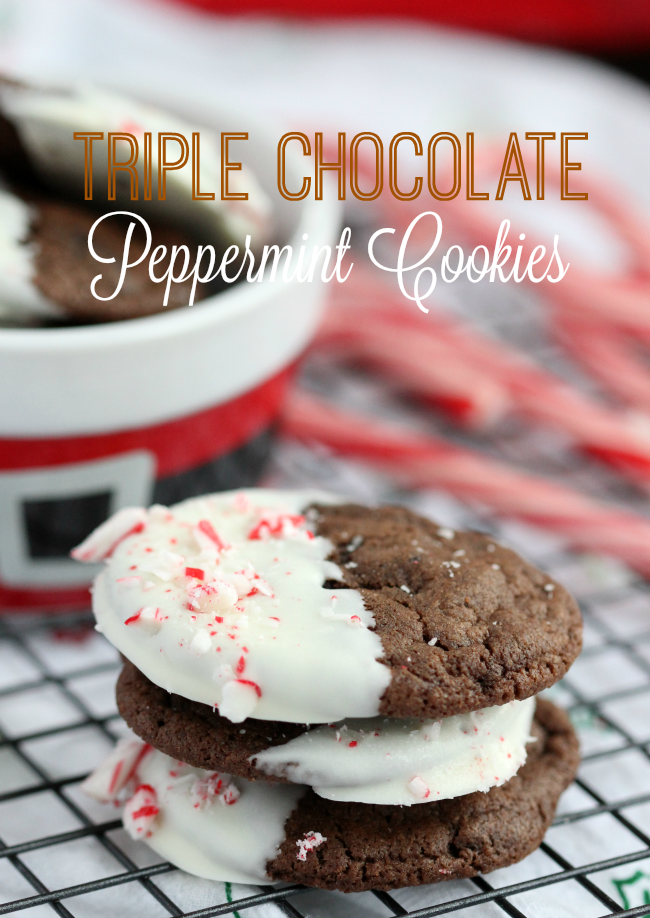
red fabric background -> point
(596, 25)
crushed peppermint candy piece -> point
(241, 502)
(308, 843)
(101, 543)
(166, 565)
(197, 572)
(159, 514)
(217, 596)
(239, 699)
(110, 781)
(418, 788)
(149, 619)
(259, 585)
(277, 525)
(140, 812)
(224, 673)
(434, 640)
(248, 583)
(214, 786)
(207, 538)
(431, 732)
(201, 642)
(445, 533)
(240, 582)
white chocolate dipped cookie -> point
(271, 605)
(247, 617)
(45, 121)
(20, 298)
(383, 760)
(220, 827)
(222, 600)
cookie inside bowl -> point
(59, 147)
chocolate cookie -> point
(388, 847)
(64, 268)
(193, 732)
(465, 623)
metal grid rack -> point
(595, 860)
(59, 851)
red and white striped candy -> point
(149, 619)
(420, 461)
(214, 786)
(308, 843)
(101, 543)
(110, 781)
(397, 338)
(418, 788)
(412, 358)
(277, 526)
(609, 355)
(208, 540)
(140, 812)
(216, 596)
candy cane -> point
(402, 342)
(419, 461)
(623, 299)
(426, 365)
(610, 356)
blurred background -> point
(519, 409)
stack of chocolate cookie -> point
(330, 694)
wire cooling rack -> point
(61, 852)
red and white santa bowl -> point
(95, 418)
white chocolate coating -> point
(221, 600)
(402, 762)
(46, 120)
(226, 828)
(208, 837)
(19, 297)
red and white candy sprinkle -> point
(149, 619)
(308, 843)
(101, 543)
(141, 811)
(418, 788)
(215, 786)
(277, 526)
(111, 781)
